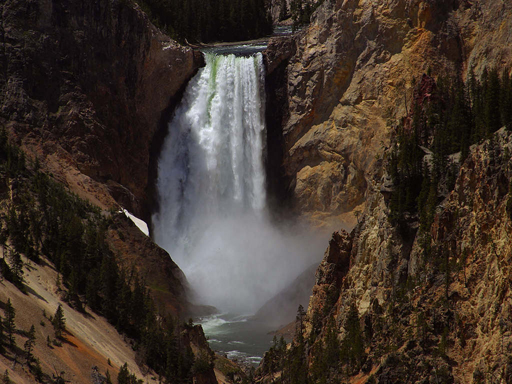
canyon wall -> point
(85, 86)
(429, 308)
(448, 308)
(347, 78)
(86, 90)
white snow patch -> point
(141, 224)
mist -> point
(240, 262)
(213, 218)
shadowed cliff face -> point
(86, 86)
(350, 76)
(83, 85)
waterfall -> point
(211, 186)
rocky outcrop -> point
(446, 305)
(84, 86)
(351, 76)
(204, 357)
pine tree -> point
(29, 344)
(37, 371)
(6, 379)
(1, 335)
(59, 322)
(108, 278)
(492, 101)
(332, 345)
(124, 374)
(91, 289)
(353, 343)
(283, 12)
(108, 379)
(138, 303)
(16, 268)
(10, 326)
(125, 377)
(299, 321)
(506, 100)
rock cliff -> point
(85, 86)
(391, 305)
(344, 80)
(442, 315)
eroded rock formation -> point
(432, 307)
(413, 303)
(349, 76)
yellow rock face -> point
(351, 79)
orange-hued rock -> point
(427, 314)
(90, 343)
(412, 301)
(349, 77)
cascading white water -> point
(211, 185)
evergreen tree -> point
(29, 344)
(299, 321)
(16, 268)
(37, 371)
(91, 290)
(283, 11)
(353, 343)
(506, 100)
(138, 303)
(108, 379)
(109, 283)
(9, 325)
(319, 368)
(1, 335)
(296, 12)
(6, 379)
(332, 345)
(124, 375)
(211, 20)
(459, 124)
(59, 322)
(492, 101)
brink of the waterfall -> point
(211, 186)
